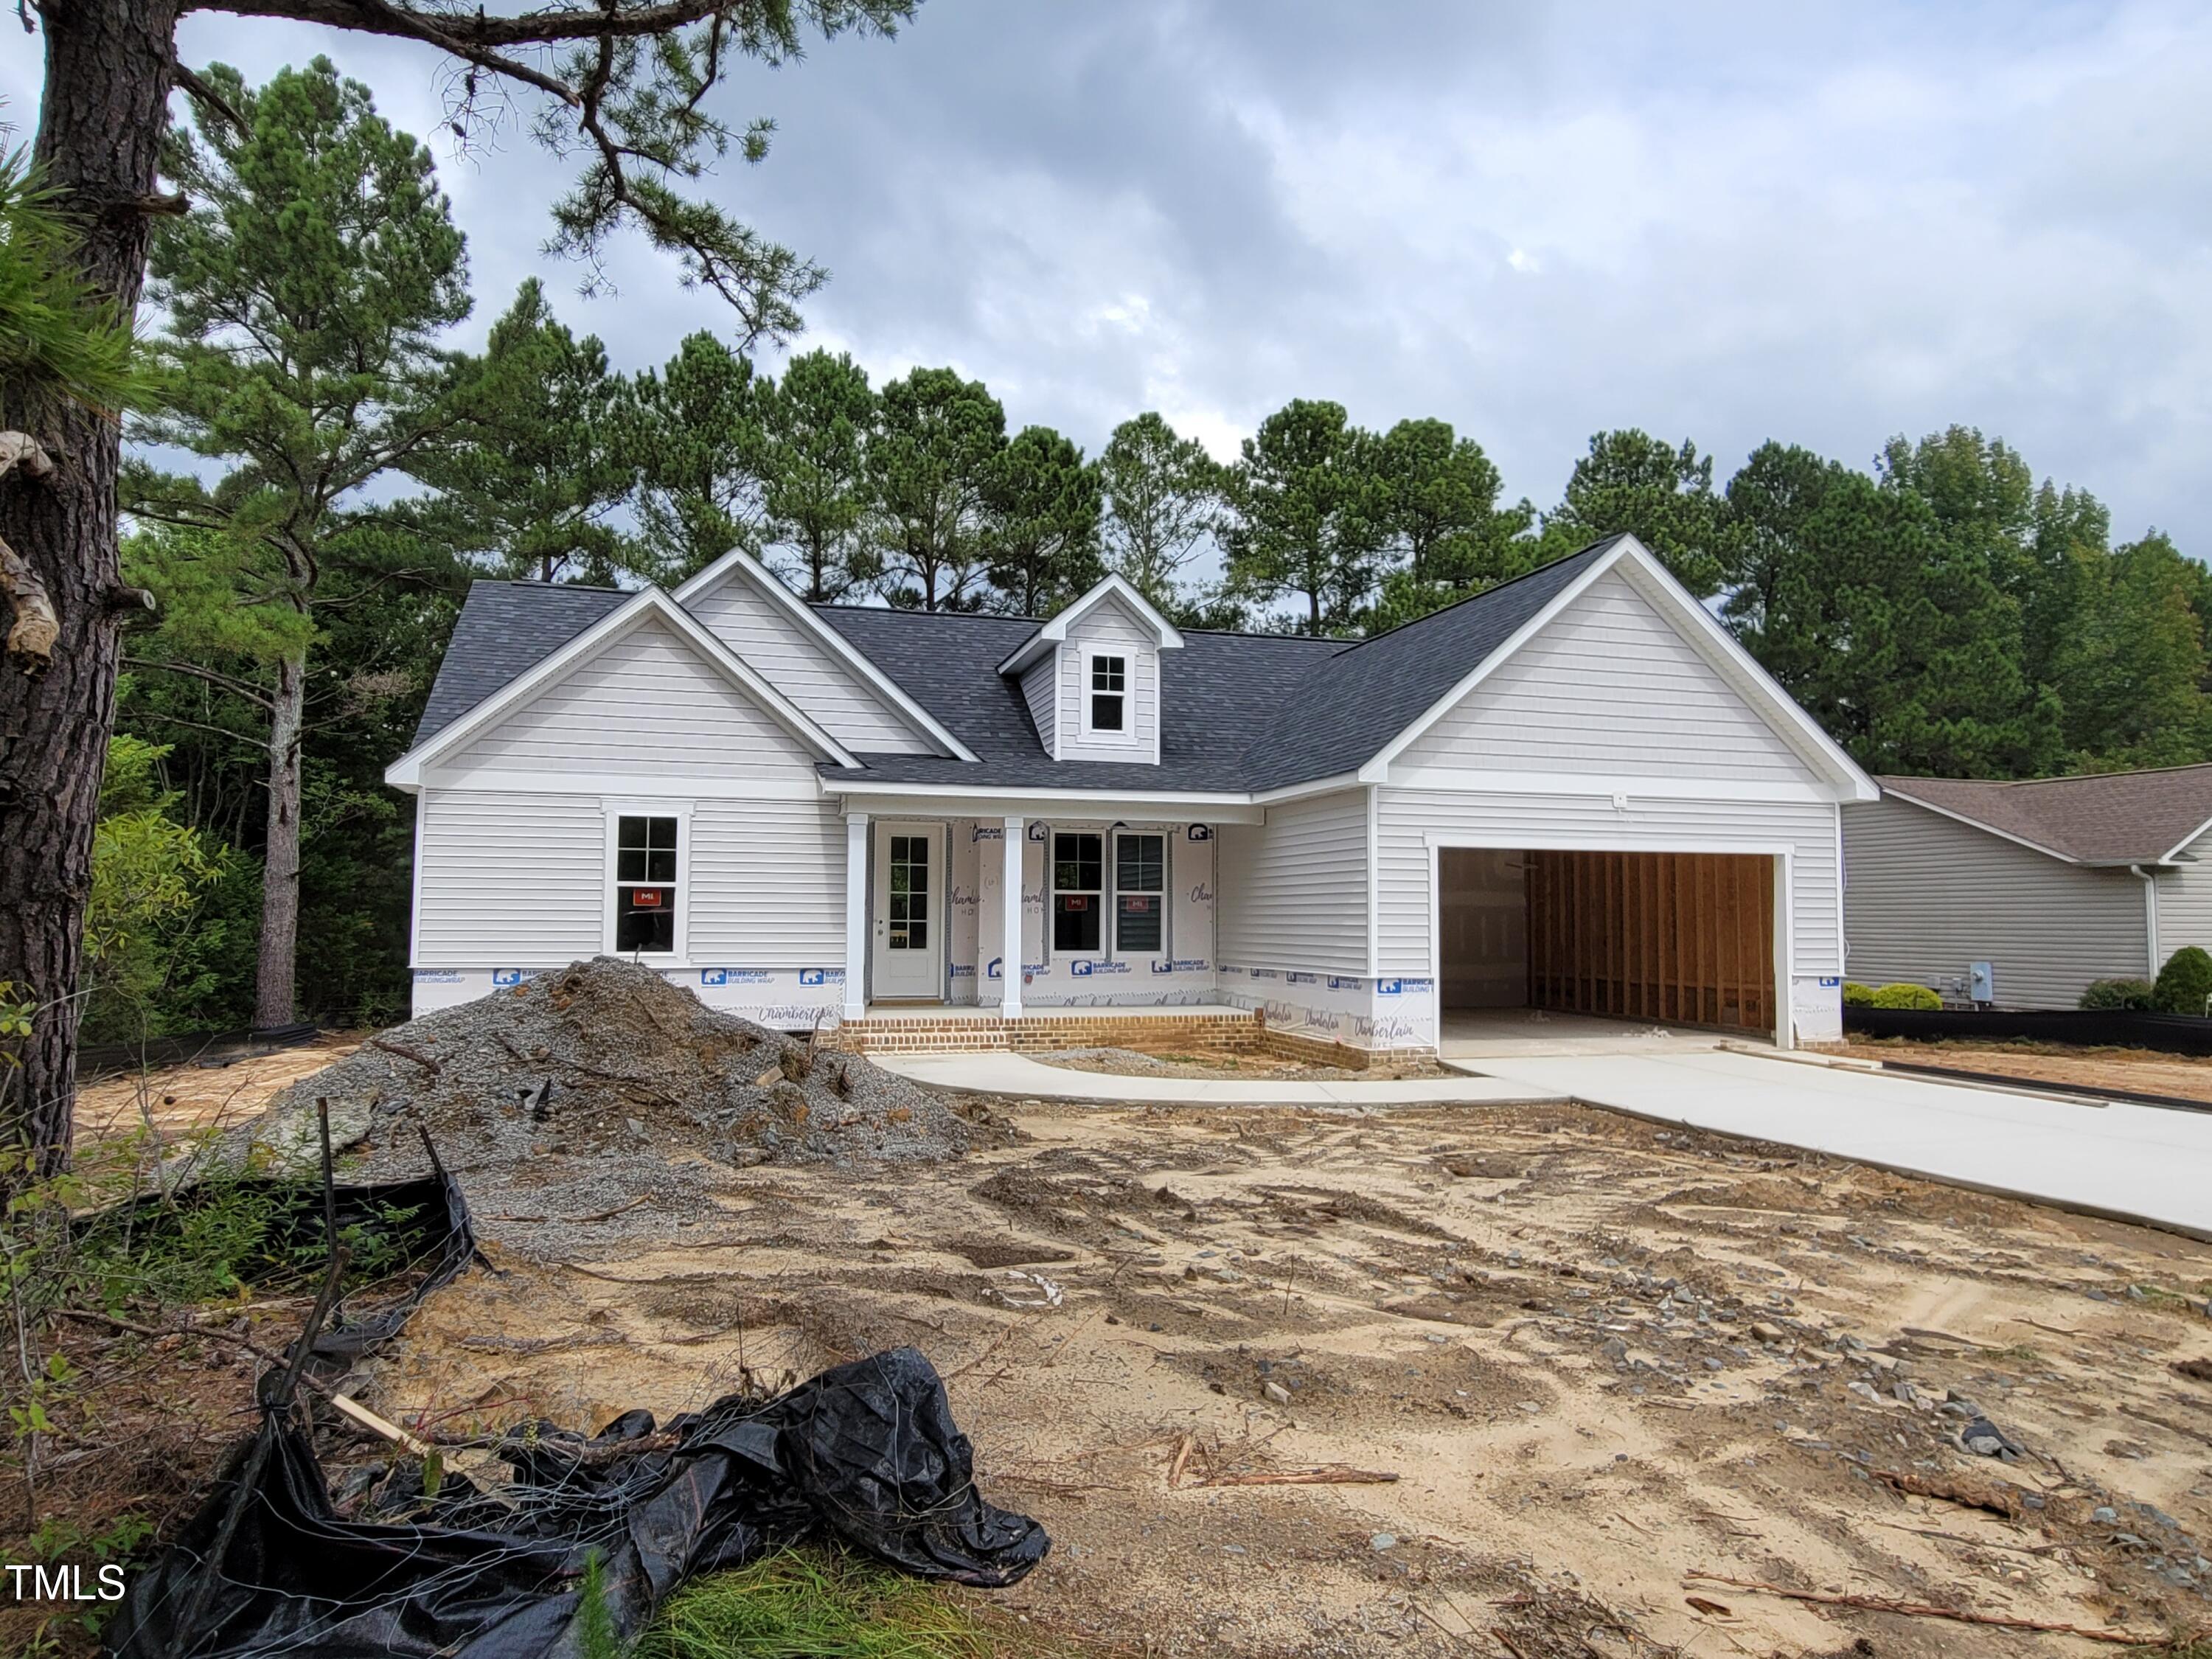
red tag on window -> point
(645, 898)
(1077, 903)
(1134, 904)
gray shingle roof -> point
(1239, 712)
(2103, 817)
(504, 630)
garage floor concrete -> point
(1474, 1034)
(2134, 1162)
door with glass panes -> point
(908, 942)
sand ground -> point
(1598, 1357)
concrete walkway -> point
(2132, 1163)
(1019, 1077)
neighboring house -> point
(2054, 882)
(1574, 791)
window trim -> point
(1166, 946)
(1126, 736)
(1102, 893)
(615, 811)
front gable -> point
(1110, 631)
(801, 659)
(1612, 685)
(644, 704)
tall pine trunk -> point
(274, 966)
(108, 64)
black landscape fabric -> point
(866, 1454)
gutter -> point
(2151, 914)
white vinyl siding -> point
(1406, 819)
(2184, 901)
(1610, 687)
(1928, 895)
(1294, 889)
(511, 880)
(770, 640)
(646, 704)
(1040, 690)
(1108, 626)
(768, 884)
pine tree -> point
(930, 463)
(1043, 502)
(1309, 514)
(1662, 494)
(816, 425)
(304, 304)
(1162, 499)
(1448, 536)
(693, 433)
(529, 473)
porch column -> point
(856, 915)
(1010, 912)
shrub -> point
(2132, 994)
(1857, 995)
(1906, 996)
(2185, 982)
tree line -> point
(319, 471)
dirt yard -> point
(2143, 1070)
(1598, 1358)
(182, 1099)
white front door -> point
(908, 938)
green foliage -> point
(1906, 996)
(816, 424)
(1309, 514)
(931, 464)
(149, 873)
(58, 337)
(595, 1621)
(1857, 995)
(1043, 502)
(1163, 497)
(804, 1604)
(1444, 522)
(2184, 984)
(530, 471)
(694, 434)
(2134, 995)
(1661, 494)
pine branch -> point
(235, 687)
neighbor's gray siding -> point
(770, 640)
(768, 884)
(1928, 895)
(1107, 626)
(645, 704)
(2184, 901)
(511, 879)
(1040, 690)
(1408, 820)
(1293, 890)
(1609, 687)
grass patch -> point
(811, 1604)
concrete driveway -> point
(2132, 1163)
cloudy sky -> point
(1824, 223)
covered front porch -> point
(981, 916)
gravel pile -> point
(605, 1053)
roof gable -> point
(1110, 590)
(646, 607)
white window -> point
(1140, 894)
(648, 862)
(1106, 694)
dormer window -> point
(1109, 689)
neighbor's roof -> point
(2104, 818)
(1239, 712)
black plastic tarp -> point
(866, 1454)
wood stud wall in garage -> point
(1687, 938)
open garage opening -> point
(1666, 938)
